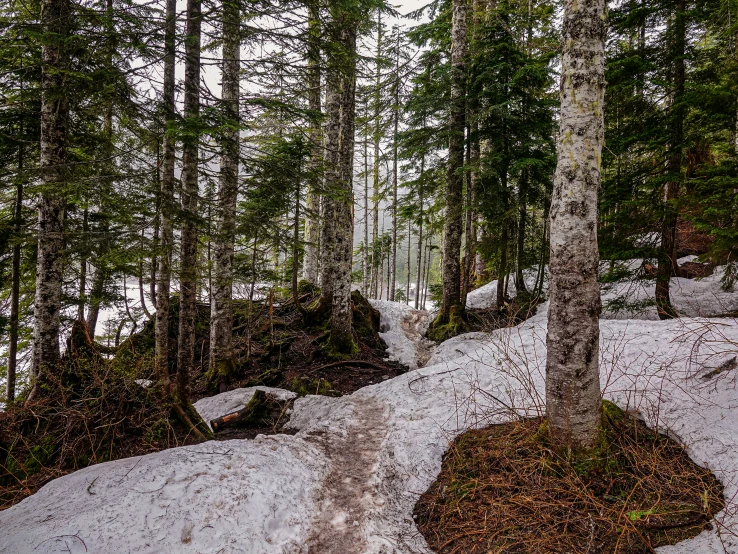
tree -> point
(55, 23)
(338, 223)
(221, 317)
(312, 219)
(166, 202)
(189, 194)
(572, 365)
(451, 313)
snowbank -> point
(231, 401)
(635, 299)
(359, 463)
(400, 347)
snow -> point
(348, 480)
(400, 347)
(635, 299)
(225, 403)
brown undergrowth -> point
(504, 489)
(92, 410)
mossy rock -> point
(306, 287)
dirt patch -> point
(348, 491)
(504, 489)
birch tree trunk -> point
(222, 360)
(572, 366)
(312, 207)
(188, 255)
(166, 203)
(55, 15)
(449, 319)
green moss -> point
(306, 287)
(303, 386)
(447, 324)
(340, 347)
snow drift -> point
(347, 482)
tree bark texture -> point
(166, 204)
(312, 207)
(188, 250)
(55, 15)
(341, 189)
(572, 367)
(222, 359)
(451, 303)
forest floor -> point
(350, 476)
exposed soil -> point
(347, 491)
(505, 489)
(275, 346)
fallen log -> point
(263, 410)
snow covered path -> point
(348, 480)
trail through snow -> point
(347, 497)
(348, 480)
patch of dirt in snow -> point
(347, 492)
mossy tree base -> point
(448, 323)
(507, 489)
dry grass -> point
(504, 489)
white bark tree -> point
(572, 369)
(55, 16)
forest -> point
(343, 276)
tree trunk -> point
(55, 15)
(396, 117)
(418, 285)
(96, 295)
(83, 268)
(377, 136)
(342, 69)
(312, 205)
(166, 203)
(15, 284)
(451, 310)
(365, 251)
(188, 255)
(572, 366)
(667, 259)
(331, 176)
(409, 255)
(222, 359)
(522, 220)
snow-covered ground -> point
(635, 299)
(347, 482)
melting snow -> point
(359, 463)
